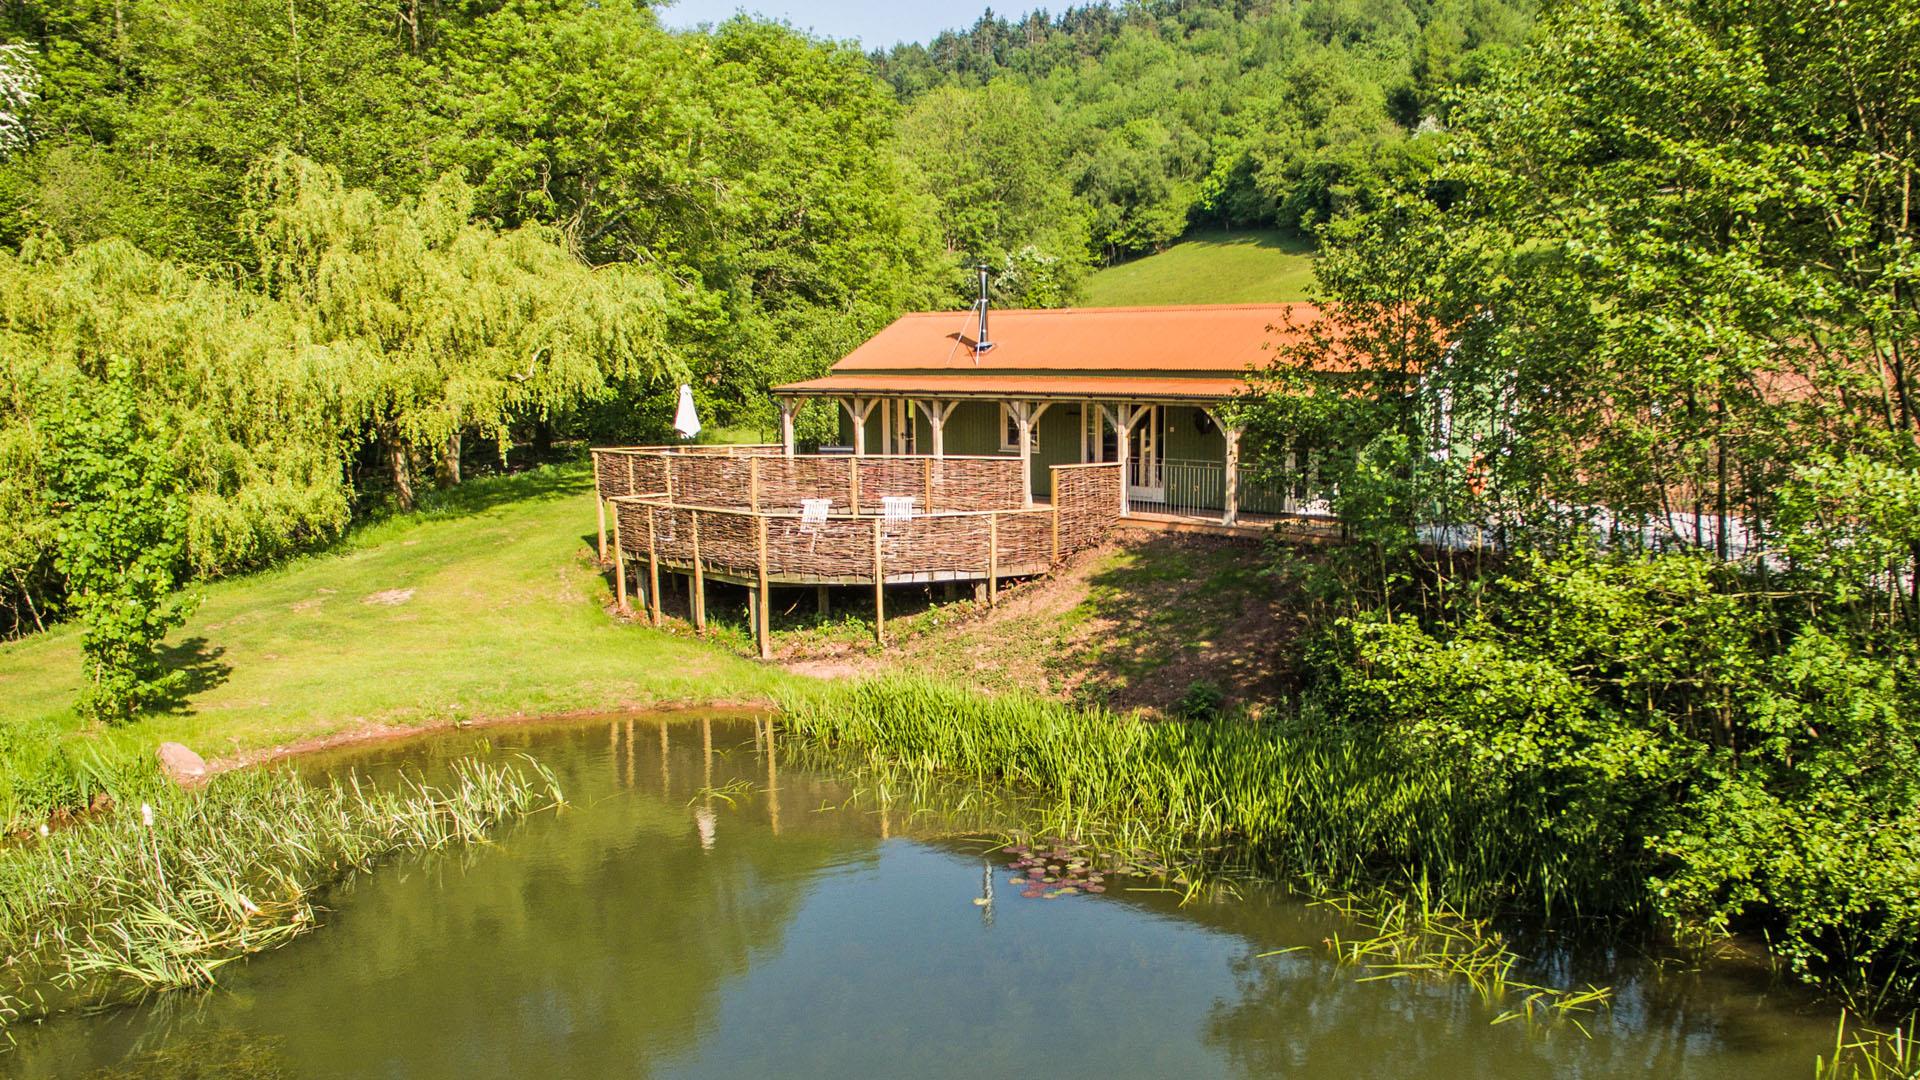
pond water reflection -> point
(705, 908)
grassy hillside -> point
(1209, 268)
(486, 603)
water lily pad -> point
(1031, 893)
(1066, 890)
(980, 901)
(1096, 888)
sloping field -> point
(1209, 268)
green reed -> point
(1865, 1053)
(1330, 806)
(1414, 934)
(120, 906)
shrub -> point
(1202, 701)
(1682, 743)
(121, 541)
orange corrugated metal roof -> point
(991, 384)
(1226, 338)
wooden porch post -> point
(1230, 501)
(1026, 414)
(938, 413)
(1023, 420)
(787, 408)
(1123, 416)
(859, 409)
(1232, 515)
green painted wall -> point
(1187, 442)
(973, 428)
(1059, 443)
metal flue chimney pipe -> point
(981, 341)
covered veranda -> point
(1181, 451)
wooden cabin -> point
(1072, 386)
(972, 447)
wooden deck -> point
(757, 517)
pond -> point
(704, 908)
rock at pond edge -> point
(182, 766)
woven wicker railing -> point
(739, 517)
(760, 478)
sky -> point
(877, 23)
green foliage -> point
(1203, 700)
(1663, 307)
(256, 421)
(1682, 746)
(446, 325)
(121, 535)
(988, 160)
(19, 89)
(1166, 115)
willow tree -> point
(249, 413)
(451, 326)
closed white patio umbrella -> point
(685, 420)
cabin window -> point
(1010, 432)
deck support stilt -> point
(600, 534)
(753, 620)
(762, 621)
(620, 569)
(879, 587)
(993, 560)
(653, 573)
(820, 597)
(699, 595)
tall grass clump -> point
(47, 774)
(163, 896)
(1332, 805)
(1866, 1053)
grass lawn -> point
(486, 603)
(1217, 267)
